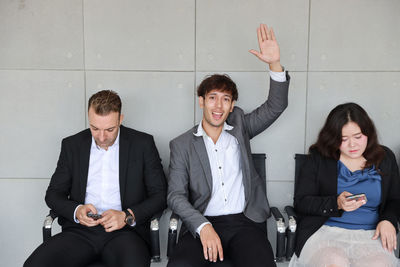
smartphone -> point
(94, 216)
(357, 197)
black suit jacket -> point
(316, 194)
(141, 178)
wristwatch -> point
(129, 219)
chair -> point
(154, 236)
(290, 233)
(259, 163)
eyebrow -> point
(352, 135)
(111, 128)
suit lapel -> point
(84, 157)
(201, 151)
(124, 146)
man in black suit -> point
(108, 170)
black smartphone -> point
(94, 216)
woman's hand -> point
(386, 230)
(348, 205)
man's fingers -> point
(273, 35)
(220, 251)
(254, 52)
(205, 251)
(259, 37)
(267, 32)
(263, 32)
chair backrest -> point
(259, 164)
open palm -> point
(269, 48)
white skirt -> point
(345, 248)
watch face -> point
(129, 220)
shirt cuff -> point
(278, 76)
(75, 219)
(201, 227)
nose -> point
(219, 102)
(351, 142)
(101, 136)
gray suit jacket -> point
(190, 179)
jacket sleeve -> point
(262, 117)
(391, 209)
(58, 191)
(178, 190)
(309, 200)
(155, 184)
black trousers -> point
(244, 242)
(75, 247)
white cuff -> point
(75, 219)
(201, 227)
(278, 76)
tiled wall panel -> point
(139, 35)
(355, 35)
(41, 34)
(226, 30)
(37, 109)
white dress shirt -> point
(102, 189)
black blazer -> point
(141, 178)
(316, 194)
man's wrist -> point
(276, 67)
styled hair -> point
(330, 136)
(218, 82)
(104, 102)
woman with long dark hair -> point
(347, 196)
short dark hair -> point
(330, 136)
(104, 102)
(220, 82)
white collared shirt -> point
(102, 190)
(227, 196)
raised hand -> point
(269, 48)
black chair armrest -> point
(172, 233)
(47, 225)
(155, 237)
(290, 232)
(280, 234)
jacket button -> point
(331, 210)
(324, 211)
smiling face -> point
(104, 128)
(354, 142)
(216, 107)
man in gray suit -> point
(213, 185)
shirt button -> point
(226, 200)
(216, 150)
(222, 184)
(219, 167)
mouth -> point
(217, 115)
(353, 151)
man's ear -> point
(121, 118)
(232, 105)
(201, 102)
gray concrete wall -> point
(55, 53)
